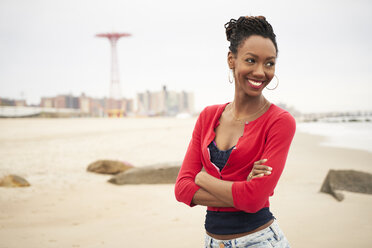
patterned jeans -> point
(271, 236)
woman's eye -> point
(270, 64)
(250, 60)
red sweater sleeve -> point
(251, 196)
(185, 187)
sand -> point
(69, 207)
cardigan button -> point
(222, 245)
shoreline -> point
(351, 135)
(69, 207)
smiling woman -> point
(254, 65)
(242, 146)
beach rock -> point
(155, 174)
(13, 181)
(348, 180)
(109, 167)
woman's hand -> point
(259, 170)
(198, 177)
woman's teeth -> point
(255, 83)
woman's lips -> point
(255, 84)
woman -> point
(242, 146)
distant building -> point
(60, 101)
(117, 107)
(12, 102)
(143, 102)
(20, 103)
(66, 101)
(186, 102)
(47, 102)
(96, 107)
(129, 106)
(85, 104)
(165, 102)
(88, 106)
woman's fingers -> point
(259, 169)
(262, 167)
(251, 177)
(260, 161)
(257, 172)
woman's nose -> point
(259, 71)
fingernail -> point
(264, 160)
(269, 168)
(268, 172)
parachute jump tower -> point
(115, 89)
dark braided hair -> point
(239, 30)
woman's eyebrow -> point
(272, 57)
(254, 55)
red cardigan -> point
(269, 136)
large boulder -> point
(13, 181)
(109, 167)
(155, 174)
(348, 180)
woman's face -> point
(253, 65)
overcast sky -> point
(47, 47)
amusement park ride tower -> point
(115, 89)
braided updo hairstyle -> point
(239, 30)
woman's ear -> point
(231, 60)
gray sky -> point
(47, 47)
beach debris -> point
(13, 181)
(154, 174)
(347, 180)
(109, 166)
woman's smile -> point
(255, 84)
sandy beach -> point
(69, 207)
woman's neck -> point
(246, 107)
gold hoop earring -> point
(231, 73)
(277, 80)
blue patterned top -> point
(219, 157)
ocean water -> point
(356, 135)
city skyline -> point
(163, 102)
(48, 47)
